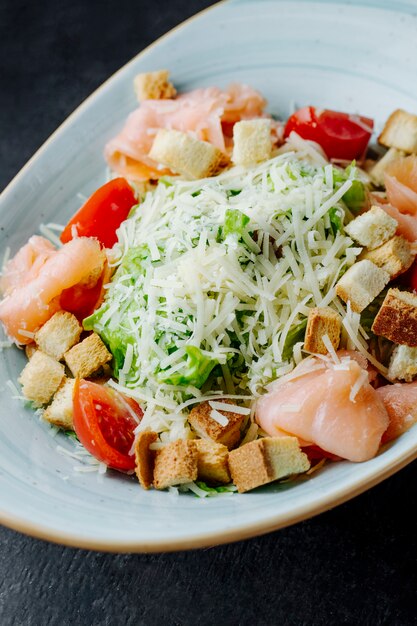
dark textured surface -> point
(354, 565)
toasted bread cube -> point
(59, 334)
(207, 428)
(373, 228)
(212, 462)
(41, 377)
(321, 322)
(397, 318)
(145, 457)
(252, 142)
(361, 284)
(60, 411)
(380, 167)
(400, 131)
(265, 460)
(186, 155)
(87, 357)
(403, 364)
(154, 86)
(395, 256)
(175, 464)
(30, 350)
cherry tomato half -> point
(103, 213)
(342, 136)
(104, 421)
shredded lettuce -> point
(295, 335)
(235, 222)
(213, 491)
(355, 197)
(194, 371)
(336, 219)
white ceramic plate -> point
(357, 56)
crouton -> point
(252, 141)
(175, 464)
(395, 256)
(361, 284)
(87, 357)
(187, 156)
(145, 457)
(212, 462)
(41, 377)
(265, 460)
(397, 318)
(30, 350)
(59, 334)
(403, 364)
(60, 411)
(378, 170)
(373, 228)
(208, 428)
(322, 321)
(154, 86)
(400, 131)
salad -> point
(237, 304)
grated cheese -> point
(183, 283)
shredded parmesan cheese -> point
(213, 279)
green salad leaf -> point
(295, 335)
(194, 371)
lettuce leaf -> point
(294, 335)
(195, 371)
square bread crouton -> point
(322, 321)
(397, 318)
(252, 142)
(378, 170)
(265, 460)
(207, 427)
(400, 131)
(187, 156)
(87, 357)
(395, 256)
(154, 86)
(41, 377)
(361, 284)
(403, 364)
(59, 334)
(373, 228)
(30, 350)
(60, 411)
(145, 457)
(212, 462)
(175, 464)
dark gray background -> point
(354, 565)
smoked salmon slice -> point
(207, 114)
(32, 300)
(400, 401)
(332, 406)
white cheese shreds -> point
(229, 408)
(219, 418)
(214, 281)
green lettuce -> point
(195, 371)
(295, 335)
(235, 223)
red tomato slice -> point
(103, 213)
(104, 421)
(409, 278)
(342, 136)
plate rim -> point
(244, 531)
